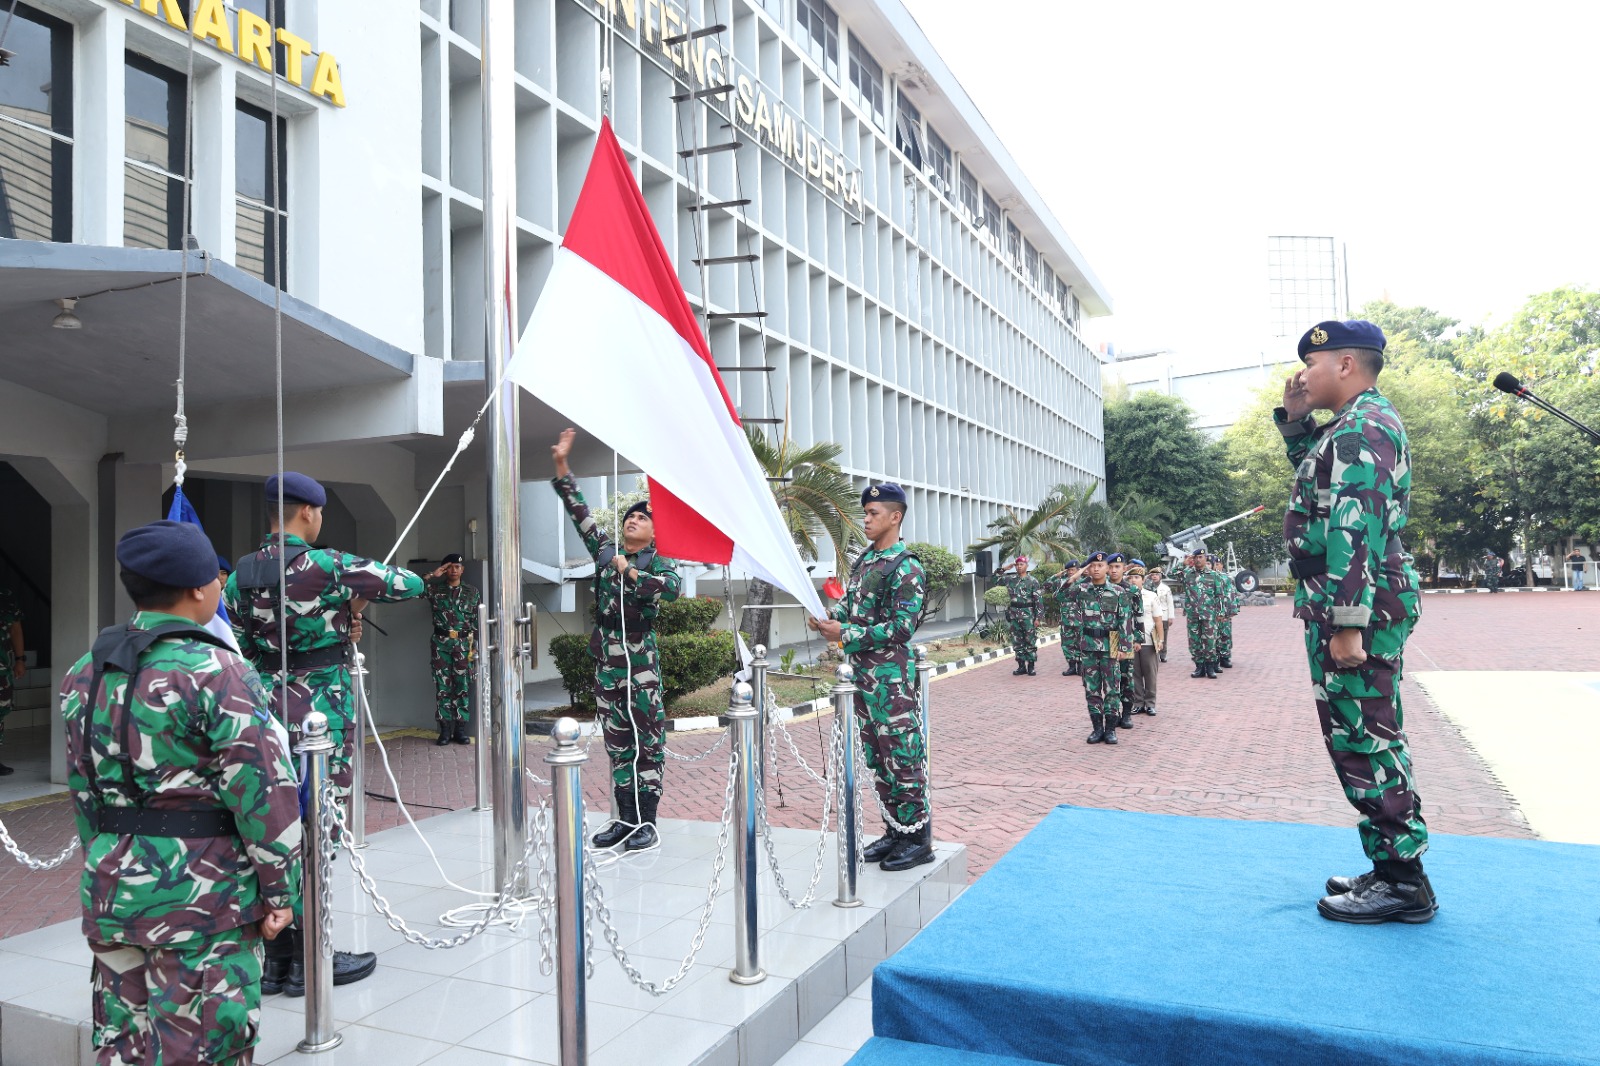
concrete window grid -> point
(904, 335)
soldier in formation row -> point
(1022, 614)
(1209, 603)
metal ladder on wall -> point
(703, 118)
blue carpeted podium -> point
(1108, 937)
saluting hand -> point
(1295, 403)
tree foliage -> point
(1154, 452)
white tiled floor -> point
(486, 1001)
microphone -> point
(1507, 382)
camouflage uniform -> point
(1200, 615)
(10, 614)
(878, 617)
(321, 584)
(632, 611)
(1022, 615)
(455, 628)
(172, 921)
(1125, 667)
(1351, 498)
(1100, 614)
(1064, 589)
(1491, 571)
(1227, 607)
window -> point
(152, 201)
(1014, 244)
(991, 216)
(1030, 263)
(939, 159)
(908, 130)
(1061, 297)
(970, 196)
(820, 33)
(36, 130)
(261, 214)
(866, 81)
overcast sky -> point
(1451, 146)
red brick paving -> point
(1007, 749)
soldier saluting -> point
(630, 586)
(874, 623)
(1100, 625)
(186, 807)
(1022, 614)
(1357, 596)
(455, 626)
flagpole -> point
(505, 538)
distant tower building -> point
(1306, 284)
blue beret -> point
(888, 492)
(171, 553)
(1356, 333)
(223, 564)
(643, 506)
(297, 488)
(1115, 557)
(1135, 562)
(1094, 557)
(1072, 564)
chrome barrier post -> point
(758, 682)
(925, 702)
(316, 936)
(742, 720)
(566, 761)
(844, 722)
(357, 810)
(483, 747)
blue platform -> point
(1109, 937)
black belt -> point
(143, 821)
(316, 658)
(1101, 634)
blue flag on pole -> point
(183, 511)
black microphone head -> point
(1507, 382)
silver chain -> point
(28, 860)
(544, 886)
(774, 721)
(598, 910)
(702, 756)
(503, 901)
(331, 816)
(765, 829)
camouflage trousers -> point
(1024, 636)
(1491, 578)
(452, 680)
(329, 689)
(634, 720)
(890, 720)
(197, 1002)
(1125, 684)
(1364, 729)
(1225, 637)
(1101, 683)
(1069, 649)
(1202, 637)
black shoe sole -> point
(1409, 917)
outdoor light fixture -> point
(67, 319)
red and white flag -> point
(614, 346)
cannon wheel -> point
(1246, 580)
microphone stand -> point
(1553, 409)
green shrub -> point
(690, 614)
(999, 596)
(1049, 605)
(693, 660)
(571, 654)
(941, 570)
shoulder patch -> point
(1347, 447)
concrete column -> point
(100, 143)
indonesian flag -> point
(614, 346)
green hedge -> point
(688, 661)
(691, 614)
(999, 596)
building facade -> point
(877, 271)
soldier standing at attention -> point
(1066, 583)
(1167, 611)
(1151, 639)
(1100, 625)
(1357, 595)
(13, 661)
(1492, 565)
(1199, 613)
(874, 624)
(1227, 607)
(186, 806)
(455, 630)
(629, 588)
(1022, 614)
(327, 590)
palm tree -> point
(1043, 533)
(816, 499)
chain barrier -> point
(331, 817)
(697, 758)
(765, 828)
(495, 912)
(775, 723)
(29, 861)
(596, 902)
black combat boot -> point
(461, 735)
(883, 845)
(1033, 669)
(1199, 670)
(1099, 733)
(627, 817)
(348, 967)
(1338, 886)
(1127, 718)
(1111, 730)
(1072, 668)
(1066, 673)
(645, 836)
(1226, 662)
(1211, 670)
(1392, 892)
(913, 849)
(444, 733)
(280, 958)
(1021, 669)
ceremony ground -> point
(1492, 757)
